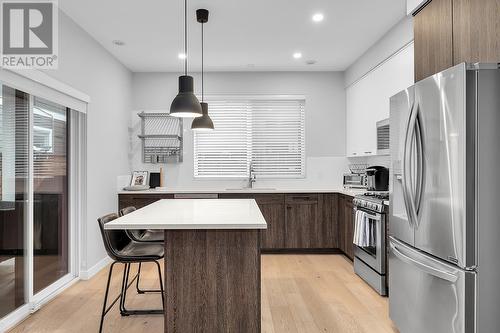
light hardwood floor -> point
(300, 293)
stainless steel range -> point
(370, 251)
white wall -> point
(85, 65)
(325, 120)
(399, 35)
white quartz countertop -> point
(171, 214)
(350, 192)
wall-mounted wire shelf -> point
(161, 136)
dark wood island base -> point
(212, 281)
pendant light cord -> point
(202, 80)
(185, 38)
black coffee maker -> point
(377, 178)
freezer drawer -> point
(429, 295)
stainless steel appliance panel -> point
(373, 278)
(354, 180)
(399, 223)
(487, 201)
(374, 257)
(435, 167)
(427, 294)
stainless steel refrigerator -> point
(444, 268)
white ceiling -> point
(241, 35)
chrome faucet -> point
(251, 177)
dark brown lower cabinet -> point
(302, 225)
(329, 226)
(301, 221)
(349, 230)
(346, 225)
(140, 200)
(272, 207)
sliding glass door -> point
(34, 196)
(50, 193)
(14, 209)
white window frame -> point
(216, 97)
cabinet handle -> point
(368, 152)
(301, 198)
(354, 153)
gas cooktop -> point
(382, 195)
(372, 201)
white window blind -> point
(265, 134)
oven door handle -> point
(370, 216)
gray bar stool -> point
(124, 250)
(144, 236)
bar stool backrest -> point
(133, 234)
(114, 240)
(127, 210)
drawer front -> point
(302, 198)
(261, 198)
(140, 200)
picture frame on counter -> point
(139, 178)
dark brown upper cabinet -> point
(449, 32)
(433, 33)
(476, 31)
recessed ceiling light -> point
(297, 55)
(318, 17)
(118, 42)
(181, 56)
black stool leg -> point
(143, 291)
(161, 285)
(125, 285)
(104, 310)
(123, 293)
(139, 291)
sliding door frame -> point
(77, 193)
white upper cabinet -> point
(413, 5)
(368, 101)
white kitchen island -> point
(212, 261)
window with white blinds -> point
(267, 135)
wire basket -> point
(358, 168)
(161, 136)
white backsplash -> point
(321, 173)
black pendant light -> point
(203, 123)
(185, 104)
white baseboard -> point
(88, 274)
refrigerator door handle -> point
(448, 276)
(406, 180)
(420, 181)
